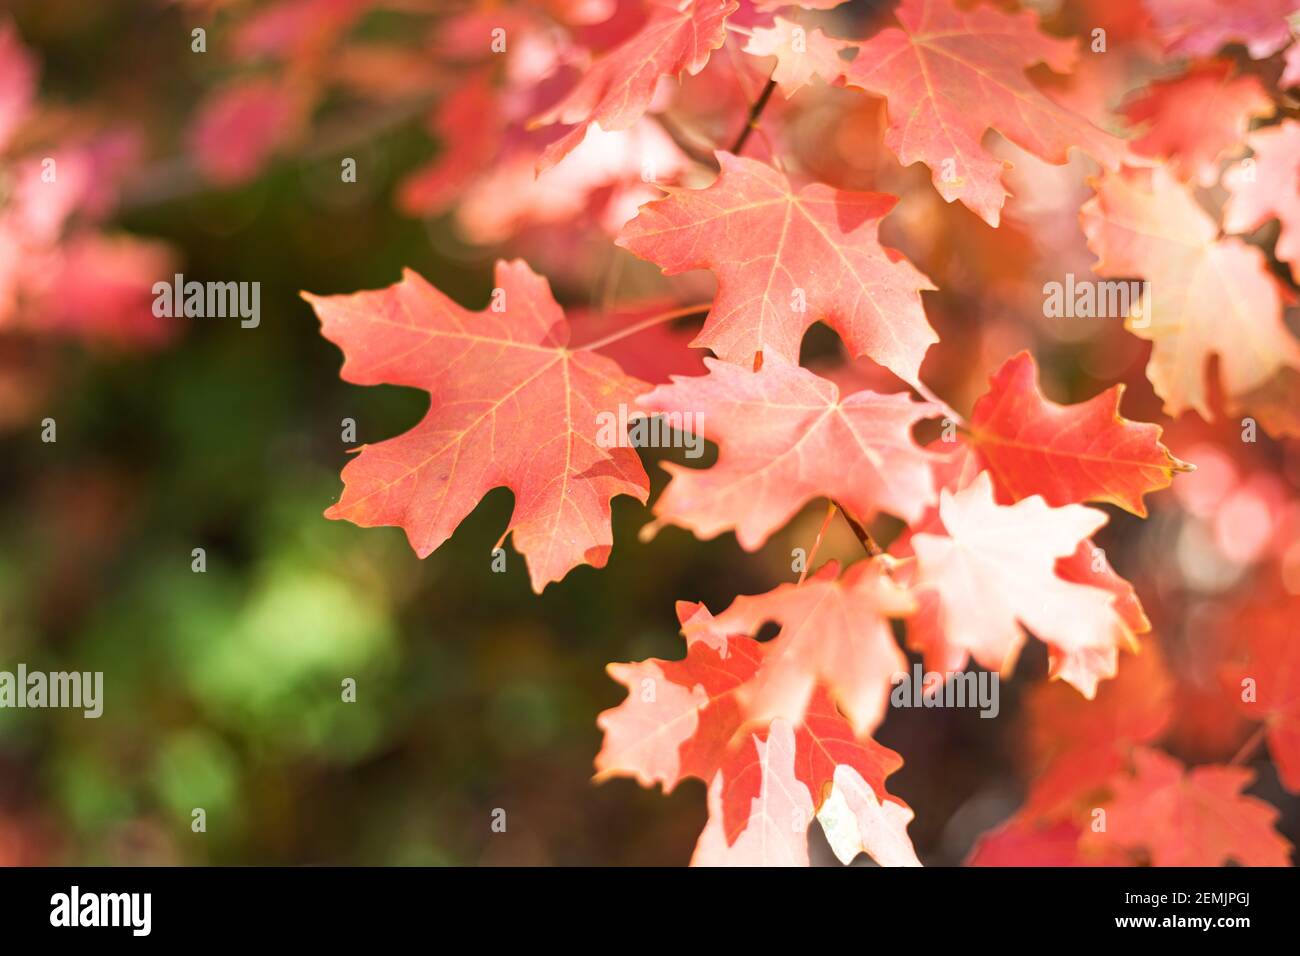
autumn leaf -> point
(512, 406)
(1206, 295)
(680, 717)
(685, 719)
(1202, 27)
(1268, 187)
(834, 630)
(785, 437)
(801, 54)
(470, 141)
(616, 91)
(240, 127)
(856, 821)
(1196, 817)
(994, 570)
(17, 81)
(1266, 685)
(1078, 745)
(785, 260)
(949, 75)
(1021, 842)
(1194, 120)
(776, 831)
(1068, 454)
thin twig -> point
(1249, 747)
(869, 543)
(751, 122)
(830, 513)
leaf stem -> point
(830, 513)
(751, 121)
(643, 325)
(1249, 747)
(868, 543)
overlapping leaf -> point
(834, 631)
(801, 54)
(785, 437)
(786, 259)
(1202, 27)
(1206, 295)
(1268, 187)
(616, 91)
(1196, 817)
(949, 75)
(1266, 685)
(995, 569)
(1196, 119)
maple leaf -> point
(994, 569)
(680, 717)
(1080, 744)
(1206, 295)
(834, 630)
(776, 832)
(801, 54)
(1066, 453)
(856, 821)
(685, 719)
(471, 140)
(1190, 818)
(1196, 119)
(241, 126)
(785, 260)
(950, 75)
(512, 406)
(1272, 666)
(786, 437)
(616, 91)
(1202, 27)
(17, 81)
(1268, 188)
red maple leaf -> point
(948, 75)
(785, 260)
(994, 569)
(1066, 453)
(1272, 667)
(1202, 27)
(685, 719)
(512, 406)
(616, 91)
(1206, 295)
(800, 53)
(1268, 188)
(785, 437)
(834, 630)
(1196, 817)
(1196, 119)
